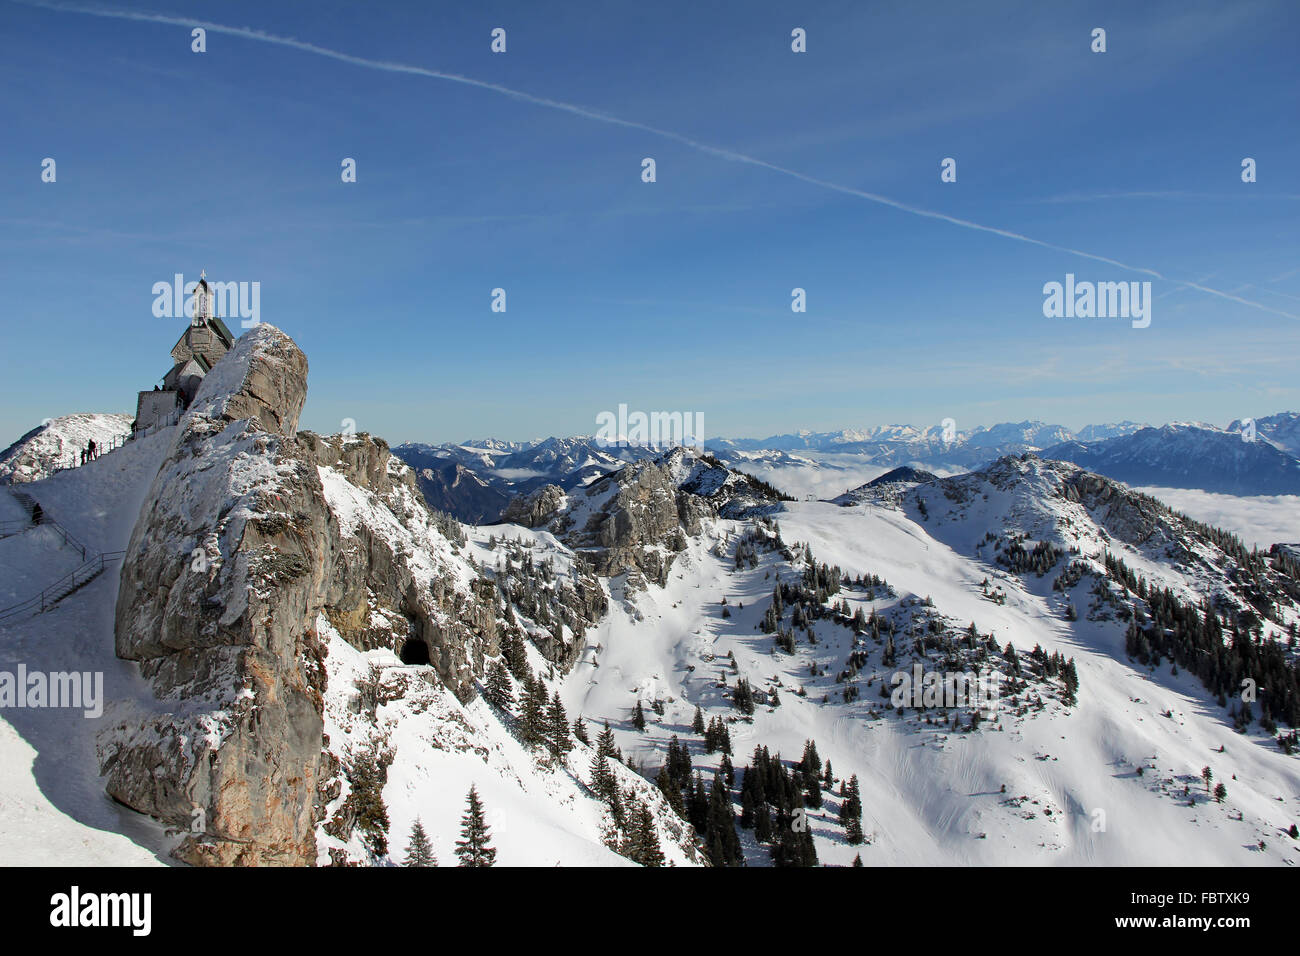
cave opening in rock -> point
(415, 651)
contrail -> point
(582, 111)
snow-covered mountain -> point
(298, 639)
(1101, 432)
(57, 444)
(827, 464)
(452, 487)
(475, 480)
(816, 464)
(1008, 436)
(304, 659)
(1189, 455)
(1281, 430)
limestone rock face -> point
(226, 562)
(393, 577)
(636, 519)
(249, 535)
(265, 383)
(535, 509)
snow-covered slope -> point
(541, 812)
(1098, 781)
(57, 444)
(53, 809)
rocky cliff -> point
(635, 520)
(238, 549)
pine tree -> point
(743, 697)
(516, 656)
(605, 785)
(532, 715)
(605, 745)
(697, 806)
(763, 823)
(473, 848)
(671, 791)
(638, 717)
(811, 762)
(727, 770)
(419, 851)
(645, 839)
(722, 841)
(368, 774)
(747, 812)
(498, 692)
(697, 724)
(812, 791)
(851, 812)
(580, 731)
(557, 724)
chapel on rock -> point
(202, 343)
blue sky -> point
(673, 295)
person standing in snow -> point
(91, 450)
(37, 514)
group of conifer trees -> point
(1221, 646)
(772, 801)
(707, 808)
(542, 721)
(1040, 559)
(635, 835)
(1216, 649)
(474, 848)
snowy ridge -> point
(933, 794)
(57, 444)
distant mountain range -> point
(475, 480)
(1190, 456)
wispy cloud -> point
(389, 66)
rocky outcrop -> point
(637, 519)
(229, 552)
(249, 534)
(536, 509)
(396, 576)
